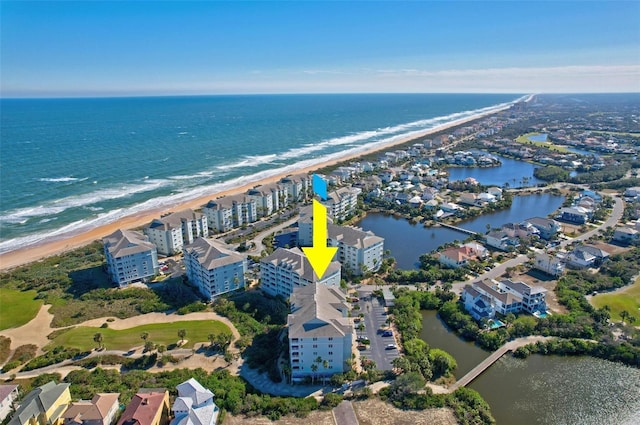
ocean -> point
(68, 165)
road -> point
(375, 317)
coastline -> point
(41, 250)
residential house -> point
(547, 227)
(626, 235)
(130, 257)
(8, 395)
(520, 230)
(550, 264)
(495, 191)
(386, 176)
(43, 406)
(632, 192)
(469, 198)
(504, 297)
(342, 202)
(319, 329)
(460, 256)
(501, 240)
(578, 215)
(477, 304)
(101, 410)
(286, 269)
(213, 268)
(429, 193)
(358, 251)
(194, 405)
(147, 407)
(172, 231)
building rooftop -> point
(353, 236)
(295, 260)
(127, 242)
(174, 220)
(96, 409)
(318, 311)
(38, 401)
(212, 254)
(143, 408)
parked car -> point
(387, 333)
(390, 347)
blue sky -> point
(153, 48)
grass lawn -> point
(524, 139)
(17, 307)
(627, 299)
(81, 337)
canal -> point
(549, 390)
(408, 241)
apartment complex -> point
(342, 202)
(229, 212)
(484, 299)
(171, 232)
(130, 257)
(43, 406)
(320, 332)
(213, 268)
(286, 269)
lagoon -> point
(512, 173)
(408, 241)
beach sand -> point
(30, 254)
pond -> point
(512, 173)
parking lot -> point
(375, 317)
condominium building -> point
(342, 202)
(226, 213)
(43, 406)
(213, 268)
(503, 297)
(130, 257)
(171, 232)
(320, 332)
(297, 187)
(358, 251)
(286, 269)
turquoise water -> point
(67, 165)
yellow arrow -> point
(319, 255)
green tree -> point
(98, 338)
(144, 336)
(181, 334)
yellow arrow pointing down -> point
(319, 255)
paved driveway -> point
(374, 319)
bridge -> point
(484, 365)
(459, 229)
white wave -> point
(60, 179)
(250, 161)
(404, 131)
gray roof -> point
(596, 252)
(353, 236)
(38, 401)
(176, 219)
(226, 202)
(545, 223)
(194, 390)
(296, 260)
(318, 313)
(212, 254)
(504, 297)
(127, 242)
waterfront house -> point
(460, 256)
(520, 230)
(8, 395)
(43, 406)
(449, 207)
(101, 410)
(130, 257)
(504, 297)
(358, 251)
(213, 268)
(171, 232)
(194, 405)
(319, 329)
(495, 191)
(578, 215)
(147, 407)
(501, 240)
(469, 199)
(286, 269)
(548, 263)
(547, 227)
(477, 304)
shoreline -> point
(44, 249)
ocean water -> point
(67, 165)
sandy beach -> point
(30, 254)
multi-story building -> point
(43, 406)
(194, 405)
(263, 198)
(213, 268)
(549, 264)
(171, 232)
(297, 187)
(342, 202)
(547, 227)
(286, 269)
(226, 213)
(503, 297)
(320, 333)
(358, 251)
(130, 257)
(101, 410)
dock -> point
(459, 229)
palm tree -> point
(181, 334)
(314, 369)
(212, 339)
(624, 315)
(144, 336)
(97, 338)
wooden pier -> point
(458, 229)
